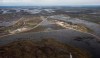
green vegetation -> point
(45, 28)
(46, 48)
(26, 22)
(84, 28)
(89, 17)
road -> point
(45, 22)
(13, 24)
(18, 20)
(66, 36)
(41, 23)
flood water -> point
(74, 38)
(91, 25)
(77, 39)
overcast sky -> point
(48, 2)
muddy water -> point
(71, 37)
(93, 26)
(77, 39)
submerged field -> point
(49, 32)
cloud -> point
(16, 1)
(49, 2)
